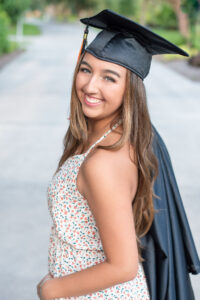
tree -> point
(111, 4)
(191, 8)
(14, 8)
(182, 18)
(127, 7)
(4, 23)
(144, 7)
(37, 4)
(76, 5)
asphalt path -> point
(34, 107)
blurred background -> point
(177, 20)
(39, 46)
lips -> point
(92, 101)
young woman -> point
(101, 196)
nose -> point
(92, 85)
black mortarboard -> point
(125, 42)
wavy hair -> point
(137, 130)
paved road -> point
(34, 106)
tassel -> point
(84, 42)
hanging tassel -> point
(84, 42)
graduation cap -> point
(125, 42)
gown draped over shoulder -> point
(75, 243)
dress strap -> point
(103, 136)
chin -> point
(93, 116)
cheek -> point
(117, 94)
(81, 81)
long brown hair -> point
(137, 130)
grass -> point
(172, 35)
(28, 29)
(68, 19)
(13, 46)
(175, 37)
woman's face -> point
(100, 87)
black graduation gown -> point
(169, 250)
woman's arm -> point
(109, 189)
(90, 280)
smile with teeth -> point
(92, 100)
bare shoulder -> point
(110, 183)
(115, 167)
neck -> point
(98, 127)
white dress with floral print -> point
(74, 242)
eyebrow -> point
(112, 72)
(105, 71)
(85, 63)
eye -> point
(84, 70)
(108, 78)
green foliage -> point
(13, 46)
(4, 24)
(111, 4)
(190, 7)
(14, 8)
(77, 5)
(28, 29)
(127, 7)
(162, 15)
(37, 4)
(173, 36)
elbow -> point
(129, 272)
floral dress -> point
(74, 242)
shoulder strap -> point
(103, 136)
